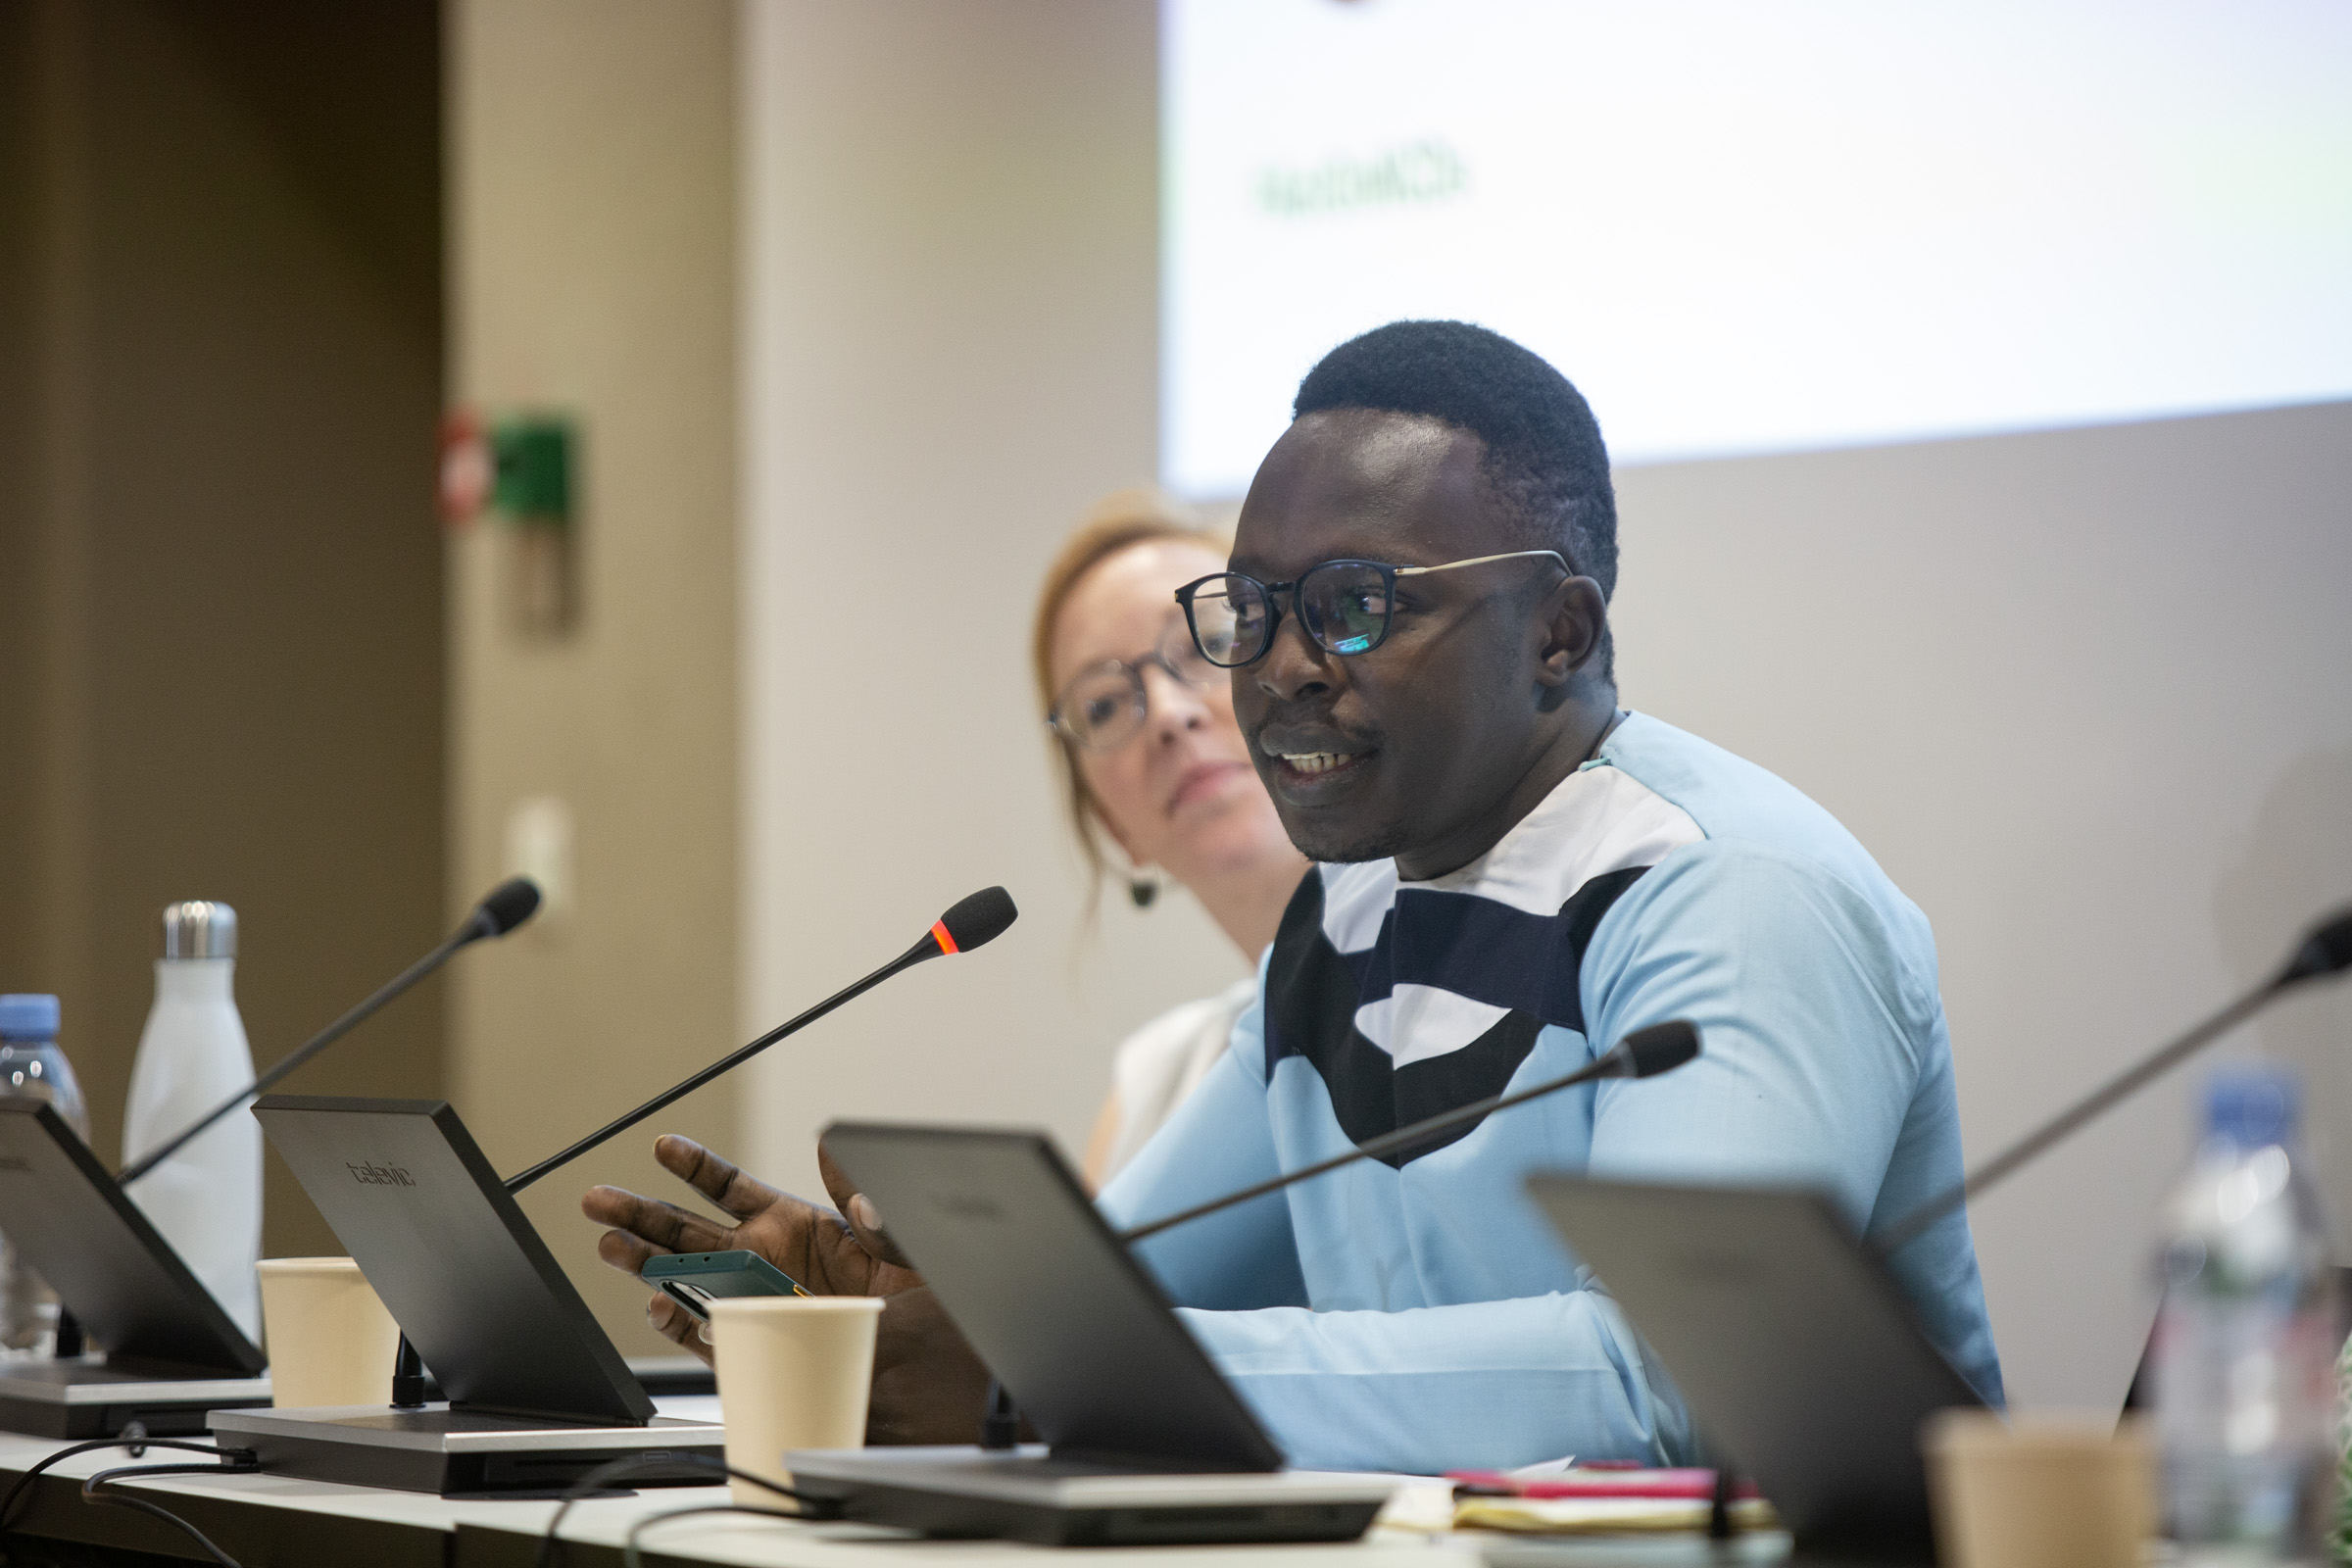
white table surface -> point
(746, 1542)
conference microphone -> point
(1643, 1053)
(2327, 949)
(503, 909)
(974, 920)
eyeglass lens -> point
(1106, 704)
(1345, 606)
(1101, 706)
(1230, 615)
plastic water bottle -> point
(2245, 1354)
(31, 1064)
(207, 1198)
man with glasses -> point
(1515, 873)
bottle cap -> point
(2252, 1107)
(28, 1016)
(200, 929)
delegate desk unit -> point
(174, 1355)
(263, 1519)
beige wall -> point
(592, 273)
(952, 320)
(2084, 692)
(220, 621)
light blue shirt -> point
(1424, 1317)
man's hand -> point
(928, 1385)
(828, 1254)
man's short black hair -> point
(1545, 458)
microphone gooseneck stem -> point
(2121, 1087)
(407, 1377)
(1000, 1422)
(1612, 1063)
(471, 931)
(925, 949)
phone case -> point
(693, 1279)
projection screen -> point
(1746, 228)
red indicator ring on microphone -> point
(939, 934)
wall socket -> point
(539, 845)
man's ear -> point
(1576, 627)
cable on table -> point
(8, 1499)
(93, 1492)
(232, 1461)
(621, 1469)
(628, 1547)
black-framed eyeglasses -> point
(1345, 605)
(1103, 706)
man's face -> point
(1436, 725)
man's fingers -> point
(714, 1176)
(836, 1180)
(626, 1252)
(610, 1205)
(865, 1223)
(857, 1209)
(665, 1225)
(676, 1325)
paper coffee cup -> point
(2039, 1491)
(794, 1372)
(330, 1339)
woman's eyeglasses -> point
(1345, 605)
(1103, 706)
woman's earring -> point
(1143, 889)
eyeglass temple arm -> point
(1480, 560)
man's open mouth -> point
(1304, 766)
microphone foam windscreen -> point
(1660, 1048)
(509, 903)
(979, 917)
(2327, 949)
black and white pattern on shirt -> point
(1473, 947)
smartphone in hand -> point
(693, 1279)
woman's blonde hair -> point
(1118, 522)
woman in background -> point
(1153, 764)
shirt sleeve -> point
(1807, 1067)
(1811, 1027)
(1825, 1063)
(1218, 1140)
(1476, 1386)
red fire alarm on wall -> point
(468, 471)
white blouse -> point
(1164, 1061)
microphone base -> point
(89, 1397)
(1025, 1494)
(461, 1453)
